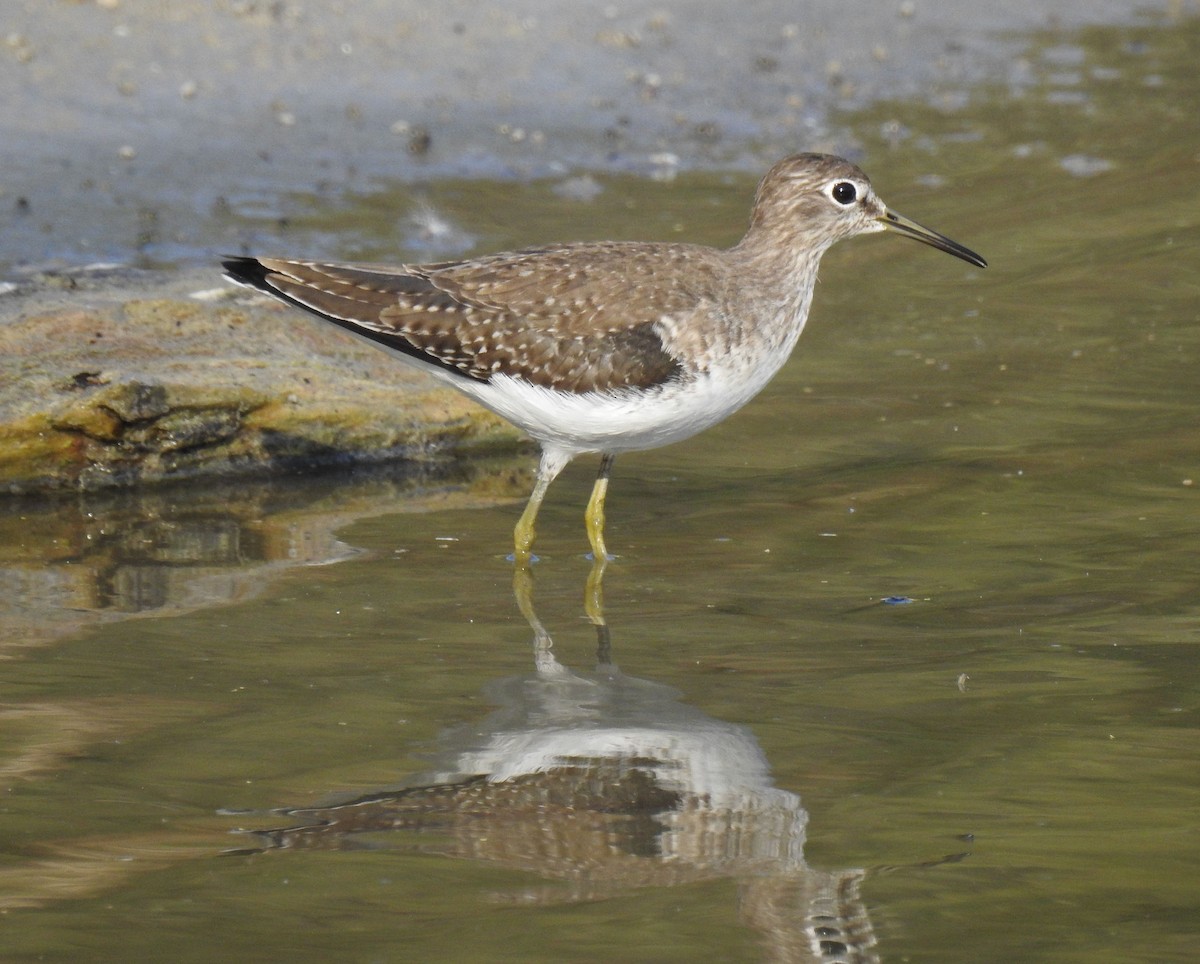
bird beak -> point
(910, 229)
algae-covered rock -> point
(130, 381)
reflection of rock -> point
(102, 556)
(40, 738)
(134, 383)
(607, 783)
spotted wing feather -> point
(575, 317)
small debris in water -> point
(583, 188)
(1083, 165)
(897, 600)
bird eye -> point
(844, 192)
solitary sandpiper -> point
(609, 346)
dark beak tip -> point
(918, 232)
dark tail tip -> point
(246, 271)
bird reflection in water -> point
(605, 783)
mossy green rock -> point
(107, 387)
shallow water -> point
(911, 643)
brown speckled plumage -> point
(577, 318)
(638, 343)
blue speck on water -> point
(897, 600)
(512, 557)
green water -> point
(1007, 766)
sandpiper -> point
(608, 346)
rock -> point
(121, 379)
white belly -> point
(618, 421)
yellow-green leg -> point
(553, 461)
(594, 517)
(593, 595)
(593, 592)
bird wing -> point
(579, 318)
